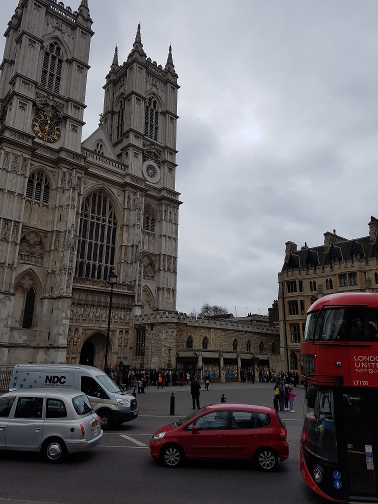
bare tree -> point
(210, 310)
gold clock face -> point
(46, 128)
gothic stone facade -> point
(223, 348)
(71, 211)
(340, 265)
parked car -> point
(224, 431)
(53, 422)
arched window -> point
(205, 342)
(235, 345)
(99, 148)
(248, 346)
(38, 189)
(376, 277)
(52, 67)
(330, 284)
(274, 347)
(261, 347)
(28, 309)
(327, 284)
(97, 238)
(120, 118)
(189, 342)
(151, 119)
(149, 219)
(314, 285)
(311, 288)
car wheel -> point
(172, 455)
(107, 420)
(266, 459)
(54, 450)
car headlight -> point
(159, 436)
(124, 402)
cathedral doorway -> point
(93, 351)
(87, 354)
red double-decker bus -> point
(339, 358)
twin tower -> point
(73, 212)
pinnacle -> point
(169, 65)
(138, 38)
(115, 58)
(84, 3)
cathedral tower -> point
(72, 212)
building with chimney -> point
(308, 273)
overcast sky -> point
(277, 135)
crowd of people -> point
(284, 395)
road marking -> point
(122, 446)
(133, 440)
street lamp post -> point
(112, 280)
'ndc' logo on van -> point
(55, 379)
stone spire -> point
(115, 65)
(84, 9)
(170, 67)
(84, 3)
(137, 46)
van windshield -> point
(107, 383)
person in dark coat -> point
(195, 391)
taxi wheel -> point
(266, 459)
(172, 455)
(107, 420)
(54, 450)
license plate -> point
(94, 424)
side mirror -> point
(195, 429)
(311, 395)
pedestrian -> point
(286, 394)
(160, 381)
(276, 396)
(291, 399)
(207, 382)
(181, 376)
(253, 377)
(282, 395)
(195, 391)
(187, 377)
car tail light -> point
(283, 433)
(82, 430)
(99, 418)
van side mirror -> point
(311, 395)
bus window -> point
(319, 431)
(364, 324)
(326, 325)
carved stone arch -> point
(148, 268)
(157, 97)
(114, 200)
(148, 302)
(99, 146)
(27, 290)
(38, 167)
(48, 38)
(32, 248)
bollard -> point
(134, 392)
(223, 399)
(172, 406)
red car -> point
(220, 431)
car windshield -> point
(184, 420)
(107, 383)
(82, 405)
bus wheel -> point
(266, 459)
(106, 420)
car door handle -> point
(37, 429)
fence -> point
(5, 374)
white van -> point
(111, 404)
